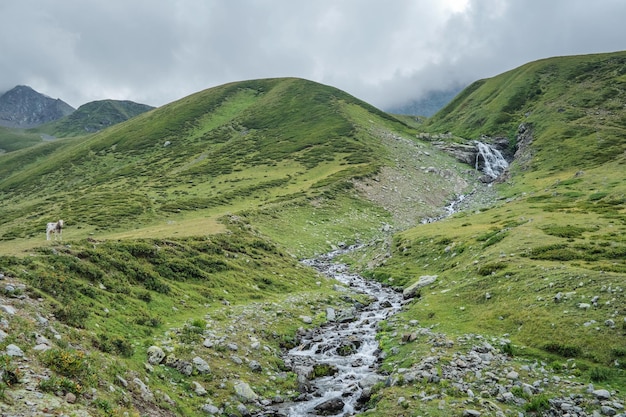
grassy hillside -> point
(184, 226)
(14, 139)
(186, 222)
(243, 145)
(574, 104)
(544, 267)
(88, 118)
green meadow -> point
(190, 219)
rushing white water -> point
(493, 164)
(347, 344)
(450, 209)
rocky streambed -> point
(471, 375)
(337, 363)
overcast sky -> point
(385, 52)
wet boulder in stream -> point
(330, 407)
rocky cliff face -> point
(23, 107)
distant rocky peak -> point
(23, 107)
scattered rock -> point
(145, 392)
(13, 350)
(412, 290)
(330, 314)
(70, 398)
(121, 381)
(330, 407)
(180, 365)
(608, 411)
(244, 392)
(41, 347)
(512, 375)
(255, 366)
(243, 410)
(602, 394)
(10, 310)
(199, 389)
(201, 365)
(409, 337)
(155, 355)
(210, 409)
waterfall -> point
(494, 163)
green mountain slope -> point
(230, 148)
(193, 215)
(545, 266)
(184, 225)
(12, 139)
(574, 104)
(94, 116)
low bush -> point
(600, 374)
(567, 351)
(9, 373)
(67, 362)
(537, 404)
(113, 344)
(491, 268)
(55, 384)
(568, 231)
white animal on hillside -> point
(56, 228)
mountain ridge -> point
(94, 116)
(24, 107)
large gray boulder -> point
(244, 392)
(412, 290)
(155, 355)
(330, 407)
(201, 365)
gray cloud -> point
(380, 51)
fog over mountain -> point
(386, 53)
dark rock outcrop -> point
(23, 107)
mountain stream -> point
(346, 346)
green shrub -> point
(73, 314)
(67, 362)
(568, 231)
(191, 333)
(115, 344)
(598, 196)
(143, 319)
(507, 349)
(9, 373)
(321, 370)
(486, 236)
(489, 269)
(538, 404)
(600, 374)
(556, 252)
(567, 351)
(56, 384)
(619, 352)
